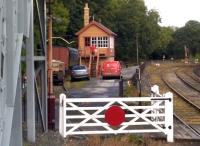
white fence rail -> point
(78, 116)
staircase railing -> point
(90, 62)
(97, 64)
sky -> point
(175, 12)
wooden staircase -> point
(93, 70)
(94, 64)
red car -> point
(111, 69)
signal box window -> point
(105, 42)
(87, 41)
(94, 41)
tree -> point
(127, 18)
(165, 37)
(188, 35)
(60, 22)
(60, 18)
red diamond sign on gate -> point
(115, 115)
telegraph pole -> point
(51, 98)
(50, 80)
(137, 47)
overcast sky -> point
(175, 12)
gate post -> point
(169, 117)
(121, 87)
(62, 113)
(155, 91)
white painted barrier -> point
(80, 116)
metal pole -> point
(44, 88)
(16, 134)
(39, 107)
(30, 83)
(44, 94)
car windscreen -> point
(78, 67)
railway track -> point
(188, 93)
(186, 99)
(187, 103)
(189, 78)
(183, 107)
(180, 124)
(196, 71)
(194, 75)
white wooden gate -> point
(80, 116)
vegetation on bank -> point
(54, 139)
(130, 90)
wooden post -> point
(51, 98)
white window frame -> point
(111, 42)
(94, 41)
(105, 42)
(99, 42)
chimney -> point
(86, 14)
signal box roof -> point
(99, 25)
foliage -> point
(165, 37)
(126, 18)
(188, 36)
(60, 15)
(60, 18)
(75, 8)
(138, 140)
(132, 23)
(130, 90)
(197, 56)
(149, 35)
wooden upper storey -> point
(96, 34)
